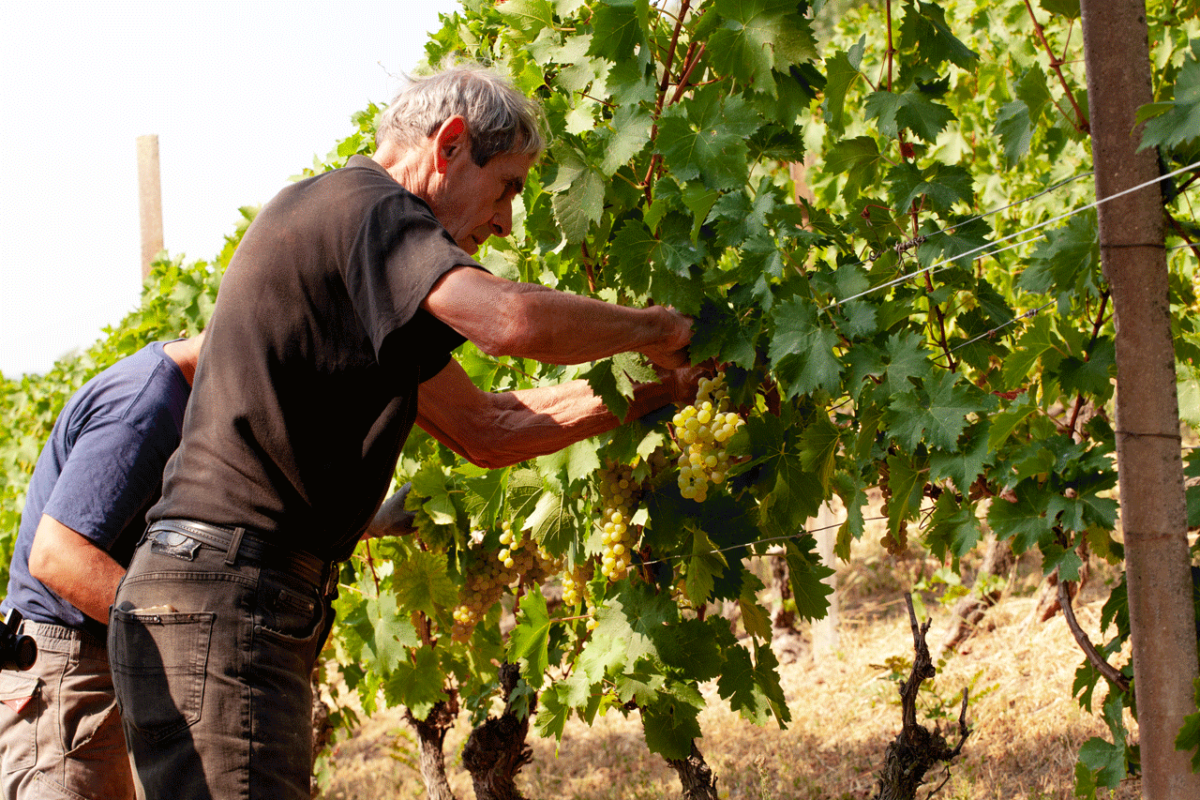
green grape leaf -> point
(1014, 126)
(807, 576)
(924, 28)
(964, 465)
(528, 16)
(906, 358)
(753, 689)
(693, 645)
(524, 491)
(755, 619)
(529, 640)
(627, 629)
(720, 334)
(640, 686)
(702, 565)
(938, 413)
(1024, 521)
(1093, 375)
(416, 685)
(1174, 122)
(630, 134)
(802, 352)
(553, 713)
(911, 110)
(842, 71)
(906, 479)
(421, 582)
(1067, 262)
(1038, 339)
(389, 633)
(1033, 90)
(706, 139)
(619, 29)
(941, 186)
(551, 523)
(631, 254)
(953, 528)
(1189, 734)
(1066, 8)
(756, 37)
(578, 460)
(486, 489)
(670, 726)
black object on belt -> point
(238, 542)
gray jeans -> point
(60, 732)
(211, 662)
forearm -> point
(74, 568)
(531, 321)
(495, 430)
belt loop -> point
(234, 546)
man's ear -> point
(451, 140)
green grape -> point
(701, 431)
(618, 497)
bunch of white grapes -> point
(487, 578)
(618, 497)
(701, 432)
(574, 584)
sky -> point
(241, 95)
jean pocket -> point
(18, 725)
(158, 665)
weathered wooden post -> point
(1150, 466)
(149, 200)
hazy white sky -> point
(241, 95)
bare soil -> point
(1026, 726)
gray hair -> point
(499, 118)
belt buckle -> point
(331, 580)
(174, 544)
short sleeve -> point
(113, 473)
(400, 252)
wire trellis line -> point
(985, 247)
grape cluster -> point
(701, 431)
(488, 577)
(574, 584)
(618, 497)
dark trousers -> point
(211, 664)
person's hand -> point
(685, 381)
(670, 350)
(392, 518)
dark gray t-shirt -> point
(307, 382)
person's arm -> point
(530, 321)
(77, 570)
(495, 430)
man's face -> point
(475, 202)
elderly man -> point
(101, 470)
(330, 338)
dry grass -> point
(1026, 726)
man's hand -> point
(670, 351)
(392, 518)
(685, 381)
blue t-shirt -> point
(101, 471)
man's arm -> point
(530, 321)
(77, 570)
(498, 429)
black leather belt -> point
(240, 543)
